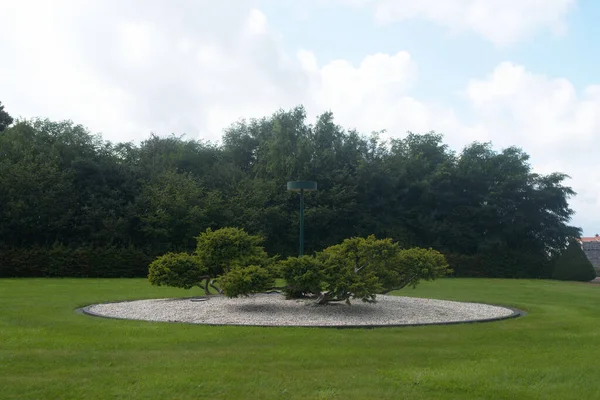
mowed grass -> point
(47, 351)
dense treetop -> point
(5, 118)
(486, 210)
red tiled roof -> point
(590, 239)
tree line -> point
(73, 204)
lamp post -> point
(302, 186)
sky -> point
(509, 72)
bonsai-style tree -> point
(225, 248)
(217, 253)
(412, 266)
(304, 276)
(573, 265)
(243, 281)
(179, 270)
(359, 268)
(350, 268)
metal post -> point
(302, 186)
(301, 222)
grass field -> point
(47, 351)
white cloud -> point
(126, 69)
(555, 124)
(531, 103)
(502, 22)
(375, 95)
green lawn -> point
(47, 351)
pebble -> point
(274, 310)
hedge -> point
(499, 264)
(80, 262)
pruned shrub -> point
(573, 265)
(225, 248)
(179, 270)
(359, 268)
(217, 254)
(303, 276)
(243, 281)
(410, 266)
(350, 268)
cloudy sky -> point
(513, 72)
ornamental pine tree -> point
(573, 265)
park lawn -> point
(47, 351)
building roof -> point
(591, 239)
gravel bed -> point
(274, 310)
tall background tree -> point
(119, 205)
(5, 118)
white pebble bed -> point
(274, 310)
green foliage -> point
(82, 262)
(243, 281)
(358, 268)
(573, 265)
(410, 266)
(179, 270)
(5, 118)
(352, 267)
(62, 184)
(225, 248)
(175, 207)
(303, 276)
(500, 263)
(230, 255)
(362, 267)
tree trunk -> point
(215, 287)
(206, 280)
(323, 298)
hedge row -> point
(130, 262)
(80, 262)
(499, 264)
